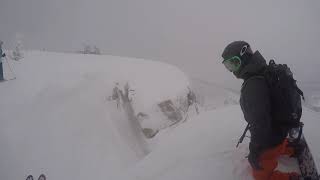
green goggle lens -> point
(233, 64)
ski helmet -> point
(240, 50)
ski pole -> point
(243, 135)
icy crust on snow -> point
(56, 118)
(204, 148)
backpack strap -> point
(300, 92)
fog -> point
(187, 33)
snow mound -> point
(56, 119)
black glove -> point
(253, 159)
(4, 55)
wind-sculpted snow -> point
(127, 124)
(56, 119)
(203, 148)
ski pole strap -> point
(243, 135)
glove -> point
(253, 159)
(4, 55)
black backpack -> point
(285, 95)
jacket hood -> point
(255, 66)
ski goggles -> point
(233, 64)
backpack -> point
(285, 95)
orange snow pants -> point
(269, 161)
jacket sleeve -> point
(256, 107)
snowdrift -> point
(56, 118)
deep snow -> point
(56, 119)
(204, 148)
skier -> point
(1, 57)
(268, 137)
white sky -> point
(188, 33)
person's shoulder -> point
(254, 81)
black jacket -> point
(256, 105)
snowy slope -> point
(55, 117)
(204, 148)
(312, 91)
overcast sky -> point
(187, 33)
